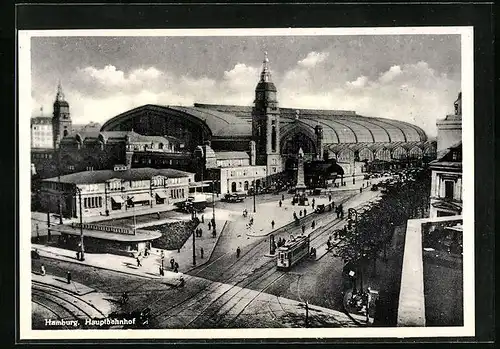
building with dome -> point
(236, 147)
(271, 135)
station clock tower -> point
(266, 122)
(61, 120)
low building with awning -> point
(105, 239)
(106, 192)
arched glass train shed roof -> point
(339, 127)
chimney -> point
(252, 153)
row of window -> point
(41, 156)
(231, 163)
(177, 193)
(92, 202)
(240, 173)
(149, 161)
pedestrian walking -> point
(280, 203)
(161, 270)
(303, 229)
(313, 201)
(282, 197)
(272, 224)
(202, 251)
(312, 205)
(209, 225)
(42, 270)
(172, 261)
(305, 212)
(294, 215)
(176, 265)
(138, 261)
(313, 225)
(68, 277)
(330, 197)
(361, 189)
(176, 270)
(238, 252)
(202, 218)
(201, 232)
(300, 213)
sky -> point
(413, 78)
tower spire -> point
(265, 75)
(60, 93)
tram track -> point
(209, 290)
(49, 309)
(68, 298)
(186, 300)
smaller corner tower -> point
(266, 122)
(61, 119)
(449, 129)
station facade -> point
(189, 139)
(272, 135)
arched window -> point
(160, 146)
(273, 138)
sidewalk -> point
(57, 282)
(282, 216)
(150, 264)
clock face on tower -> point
(260, 95)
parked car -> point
(235, 197)
(320, 208)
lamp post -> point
(213, 199)
(254, 191)
(353, 171)
(59, 203)
(352, 215)
(82, 249)
(194, 240)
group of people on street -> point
(198, 232)
(174, 265)
(281, 242)
(340, 211)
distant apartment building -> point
(41, 132)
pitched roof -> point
(38, 120)
(228, 155)
(134, 174)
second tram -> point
(292, 252)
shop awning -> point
(140, 197)
(117, 199)
(161, 194)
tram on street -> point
(292, 252)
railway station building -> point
(272, 135)
(211, 140)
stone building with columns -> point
(446, 185)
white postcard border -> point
(24, 85)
